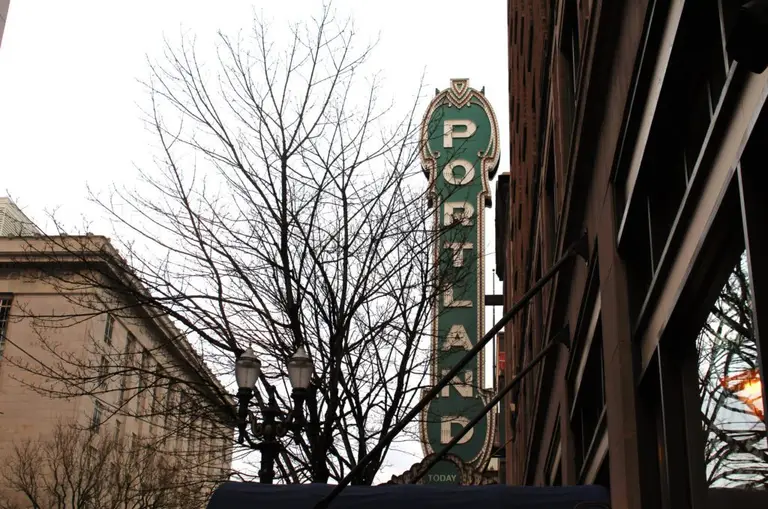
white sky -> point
(70, 101)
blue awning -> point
(235, 495)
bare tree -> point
(286, 208)
(736, 453)
(82, 469)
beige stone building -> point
(52, 328)
(13, 222)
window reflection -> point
(736, 453)
(748, 388)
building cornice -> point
(97, 251)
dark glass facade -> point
(630, 121)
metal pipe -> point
(577, 247)
(560, 338)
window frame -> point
(682, 469)
(109, 328)
(96, 417)
(6, 303)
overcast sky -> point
(70, 99)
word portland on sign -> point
(459, 154)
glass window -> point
(96, 417)
(103, 372)
(108, 329)
(552, 470)
(170, 399)
(143, 370)
(5, 313)
(588, 414)
(736, 453)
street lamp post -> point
(275, 424)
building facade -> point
(13, 222)
(638, 126)
(130, 374)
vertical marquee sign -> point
(459, 154)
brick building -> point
(641, 123)
(160, 410)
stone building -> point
(13, 222)
(140, 368)
(642, 123)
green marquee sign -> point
(459, 154)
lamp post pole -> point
(269, 446)
(275, 424)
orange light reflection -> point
(748, 387)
